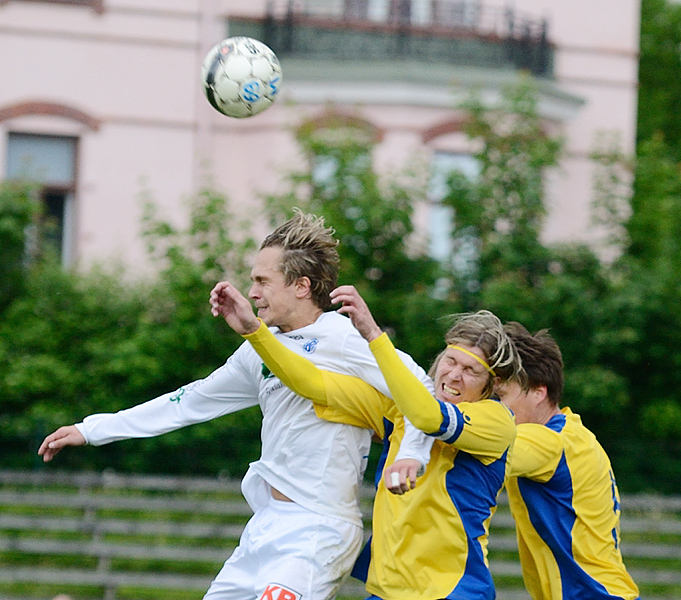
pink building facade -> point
(101, 100)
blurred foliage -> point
(659, 100)
(75, 344)
(19, 210)
(500, 212)
(648, 296)
(373, 220)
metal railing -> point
(133, 535)
(466, 32)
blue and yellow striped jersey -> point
(432, 542)
(564, 499)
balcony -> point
(454, 33)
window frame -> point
(66, 189)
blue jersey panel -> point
(473, 491)
(550, 509)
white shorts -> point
(287, 552)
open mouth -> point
(450, 391)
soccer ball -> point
(241, 77)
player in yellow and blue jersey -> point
(432, 542)
(561, 488)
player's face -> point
(513, 396)
(459, 377)
(277, 303)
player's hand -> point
(400, 477)
(229, 302)
(354, 306)
(64, 436)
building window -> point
(441, 221)
(49, 161)
(338, 143)
(463, 14)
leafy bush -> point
(74, 344)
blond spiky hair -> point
(309, 250)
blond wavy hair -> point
(485, 330)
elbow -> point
(426, 423)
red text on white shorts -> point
(274, 591)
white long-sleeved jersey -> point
(316, 463)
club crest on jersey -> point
(310, 346)
(274, 591)
(266, 373)
(177, 396)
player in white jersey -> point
(450, 506)
(306, 530)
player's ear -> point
(303, 287)
(540, 393)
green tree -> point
(502, 211)
(654, 228)
(659, 99)
(79, 343)
(565, 288)
(373, 220)
(649, 310)
(19, 209)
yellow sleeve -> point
(536, 453)
(336, 397)
(411, 397)
(488, 431)
(352, 401)
(295, 371)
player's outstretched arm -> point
(64, 436)
(230, 303)
(356, 402)
(353, 305)
(409, 394)
(296, 372)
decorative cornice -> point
(28, 108)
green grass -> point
(221, 543)
(66, 536)
(41, 511)
(665, 591)
(171, 516)
(133, 593)
(62, 561)
(224, 546)
(174, 567)
(666, 564)
(40, 590)
(632, 537)
(508, 582)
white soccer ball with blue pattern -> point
(241, 77)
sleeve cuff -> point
(81, 428)
(257, 333)
(380, 342)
